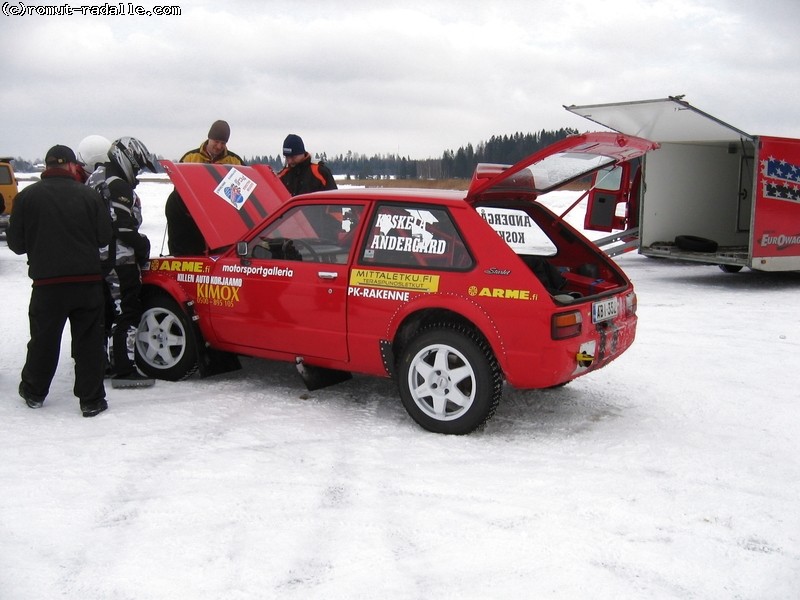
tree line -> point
(454, 164)
(459, 164)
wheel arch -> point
(459, 311)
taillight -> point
(630, 303)
(566, 325)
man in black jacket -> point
(61, 225)
(302, 175)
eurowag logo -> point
(780, 241)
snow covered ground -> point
(672, 473)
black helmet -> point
(132, 156)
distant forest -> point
(505, 150)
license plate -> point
(604, 310)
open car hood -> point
(226, 201)
(663, 120)
(552, 167)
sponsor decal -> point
(414, 244)
(417, 282)
(217, 291)
(504, 293)
(781, 180)
(781, 241)
(235, 188)
(420, 240)
(511, 225)
(366, 292)
(494, 271)
(263, 271)
(179, 266)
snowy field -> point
(674, 473)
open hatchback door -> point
(226, 201)
(570, 159)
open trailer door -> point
(696, 198)
(665, 120)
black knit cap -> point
(293, 145)
(60, 155)
(220, 131)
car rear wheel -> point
(166, 344)
(449, 379)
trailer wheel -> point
(695, 244)
(730, 268)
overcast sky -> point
(407, 78)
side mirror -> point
(241, 249)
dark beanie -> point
(220, 131)
(293, 145)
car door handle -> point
(327, 274)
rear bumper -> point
(564, 360)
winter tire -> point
(449, 379)
(730, 268)
(695, 244)
(166, 343)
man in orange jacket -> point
(302, 175)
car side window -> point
(414, 236)
(310, 233)
(519, 230)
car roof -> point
(399, 194)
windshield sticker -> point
(407, 233)
(394, 280)
(518, 230)
(786, 178)
(235, 188)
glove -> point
(143, 250)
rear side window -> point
(414, 236)
(5, 175)
(519, 230)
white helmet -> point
(93, 151)
(132, 156)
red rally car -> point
(449, 293)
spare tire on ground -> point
(695, 244)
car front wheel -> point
(166, 345)
(450, 381)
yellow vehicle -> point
(8, 191)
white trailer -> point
(711, 193)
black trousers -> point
(125, 287)
(50, 308)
